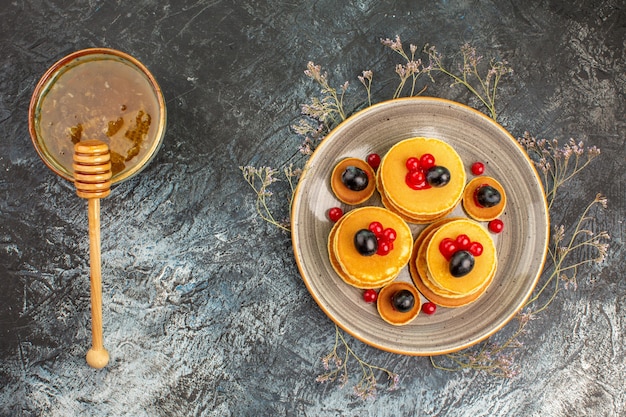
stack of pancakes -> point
(372, 271)
(420, 206)
(430, 269)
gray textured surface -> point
(204, 310)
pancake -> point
(369, 271)
(473, 209)
(438, 265)
(345, 194)
(385, 304)
(423, 204)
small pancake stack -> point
(368, 271)
(430, 269)
(420, 204)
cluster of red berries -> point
(448, 247)
(384, 237)
(416, 177)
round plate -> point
(521, 246)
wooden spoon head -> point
(92, 169)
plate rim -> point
(330, 136)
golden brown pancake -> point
(385, 304)
(369, 271)
(438, 265)
(345, 194)
(474, 210)
(425, 204)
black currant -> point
(365, 242)
(461, 263)
(403, 301)
(488, 196)
(438, 176)
(355, 178)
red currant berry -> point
(478, 168)
(429, 308)
(496, 225)
(463, 242)
(389, 234)
(427, 161)
(384, 247)
(376, 228)
(373, 160)
(335, 213)
(475, 249)
(415, 178)
(370, 296)
(447, 247)
(412, 164)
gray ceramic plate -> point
(521, 246)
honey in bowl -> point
(98, 94)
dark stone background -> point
(204, 310)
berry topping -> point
(438, 176)
(365, 242)
(427, 161)
(487, 196)
(461, 263)
(463, 242)
(429, 308)
(355, 178)
(447, 247)
(496, 225)
(478, 168)
(376, 228)
(390, 234)
(335, 213)
(450, 247)
(384, 237)
(423, 173)
(413, 164)
(384, 247)
(416, 177)
(370, 296)
(475, 248)
(373, 160)
(416, 180)
(403, 301)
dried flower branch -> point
(582, 240)
(485, 87)
(322, 113)
(336, 366)
(331, 104)
(413, 68)
(366, 79)
(260, 179)
(557, 164)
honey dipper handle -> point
(97, 356)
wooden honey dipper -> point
(92, 178)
